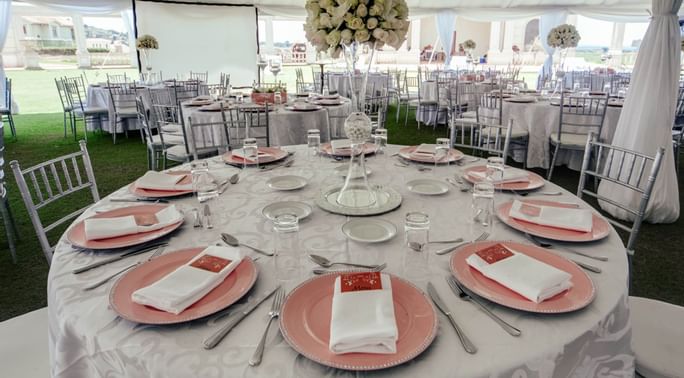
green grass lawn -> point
(657, 265)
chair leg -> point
(408, 110)
(526, 146)
(11, 122)
(553, 162)
(64, 122)
(10, 229)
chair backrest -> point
(480, 137)
(624, 168)
(582, 114)
(679, 113)
(61, 90)
(376, 109)
(202, 77)
(151, 77)
(185, 90)
(144, 121)
(161, 96)
(248, 122)
(75, 98)
(123, 99)
(224, 80)
(490, 107)
(118, 79)
(8, 94)
(209, 136)
(51, 181)
(206, 89)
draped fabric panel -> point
(648, 114)
(547, 22)
(90, 7)
(5, 16)
(446, 24)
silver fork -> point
(458, 290)
(106, 279)
(273, 313)
(446, 250)
(544, 244)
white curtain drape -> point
(446, 24)
(90, 7)
(547, 22)
(648, 114)
(5, 11)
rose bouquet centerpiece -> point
(343, 27)
(469, 46)
(145, 44)
(563, 37)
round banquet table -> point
(99, 97)
(339, 82)
(88, 339)
(286, 127)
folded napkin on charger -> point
(363, 314)
(510, 175)
(153, 180)
(425, 149)
(529, 277)
(240, 154)
(190, 282)
(559, 217)
(103, 228)
(340, 144)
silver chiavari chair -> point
(151, 77)
(51, 181)
(159, 144)
(624, 168)
(165, 113)
(6, 108)
(490, 111)
(201, 77)
(5, 211)
(80, 111)
(376, 109)
(248, 121)
(185, 90)
(118, 79)
(207, 89)
(578, 117)
(481, 138)
(678, 127)
(208, 138)
(123, 103)
(302, 85)
(66, 108)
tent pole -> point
(432, 54)
(135, 34)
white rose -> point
(380, 34)
(361, 11)
(361, 35)
(333, 39)
(346, 36)
(325, 21)
(372, 23)
(393, 40)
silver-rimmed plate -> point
(300, 209)
(369, 230)
(427, 187)
(386, 200)
(342, 170)
(286, 182)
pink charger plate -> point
(305, 324)
(234, 287)
(76, 234)
(580, 295)
(151, 193)
(535, 182)
(275, 154)
(368, 149)
(599, 230)
(407, 153)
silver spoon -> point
(524, 194)
(324, 262)
(233, 242)
(234, 178)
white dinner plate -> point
(428, 187)
(369, 230)
(287, 182)
(342, 170)
(300, 209)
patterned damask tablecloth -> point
(88, 339)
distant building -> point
(47, 32)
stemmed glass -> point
(275, 69)
(442, 151)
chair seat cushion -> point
(168, 139)
(172, 128)
(515, 133)
(91, 111)
(577, 141)
(657, 337)
(469, 114)
(177, 153)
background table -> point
(99, 97)
(428, 92)
(87, 339)
(339, 82)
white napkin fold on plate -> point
(103, 228)
(186, 285)
(340, 144)
(240, 154)
(425, 149)
(363, 321)
(559, 217)
(527, 276)
(153, 180)
(510, 175)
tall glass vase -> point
(146, 55)
(356, 191)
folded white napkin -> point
(510, 175)
(363, 320)
(425, 149)
(102, 228)
(153, 180)
(189, 283)
(529, 277)
(559, 217)
(240, 154)
(340, 144)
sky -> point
(109, 23)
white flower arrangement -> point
(563, 36)
(147, 42)
(469, 44)
(330, 24)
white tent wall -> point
(200, 38)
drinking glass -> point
(482, 209)
(277, 99)
(380, 139)
(286, 247)
(544, 93)
(313, 140)
(203, 183)
(250, 152)
(214, 94)
(416, 237)
(495, 169)
(326, 92)
(516, 90)
(442, 151)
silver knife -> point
(213, 340)
(465, 341)
(156, 200)
(207, 217)
(133, 252)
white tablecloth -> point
(339, 82)
(88, 339)
(287, 127)
(99, 97)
